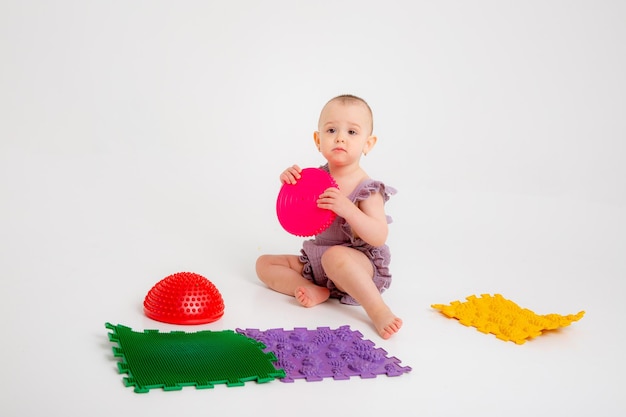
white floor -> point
(78, 252)
(140, 139)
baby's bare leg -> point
(283, 273)
(352, 272)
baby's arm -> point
(367, 219)
(291, 175)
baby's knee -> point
(333, 256)
(262, 262)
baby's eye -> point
(331, 130)
(352, 132)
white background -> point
(143, 138)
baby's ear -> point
(369, 144)
(316, 139)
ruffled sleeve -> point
(370, 187)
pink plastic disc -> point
(296, 205)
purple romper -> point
(340, 233)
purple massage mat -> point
(323, 353)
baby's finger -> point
(287, 178)
(295, 172)
(290, 176)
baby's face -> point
(344, 132)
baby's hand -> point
(291, 175)
(332, 199)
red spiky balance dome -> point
(184, 298)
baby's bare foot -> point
(311, 296)
(386, 323)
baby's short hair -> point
(350, 98)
